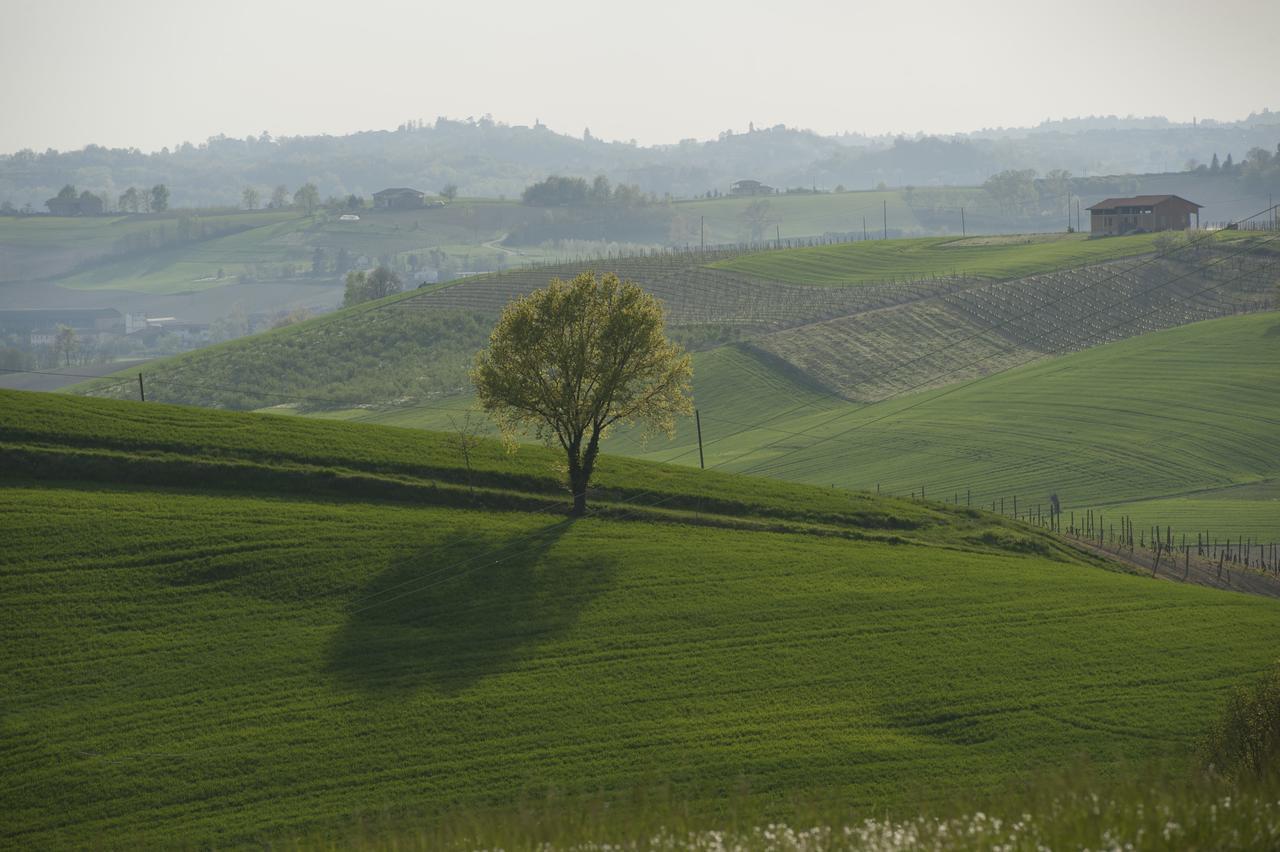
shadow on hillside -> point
(461, 611)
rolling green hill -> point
(1175, 427)
(51, 247)
(1180, 417)
(222, 628)
(403, 361)
(985, 257)
(183, 251)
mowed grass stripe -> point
(231, 695)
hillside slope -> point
(987, 257)
(223, 627)
(1167, 414)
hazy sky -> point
(150, 73)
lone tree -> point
(65, 342)
(577, 357)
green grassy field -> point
(800, 215)
(1162, 415)
(224, 628)
(272, 240)
(1249, 511)
(87, 253)
(52, 247)
(879, 260)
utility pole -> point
(142, 392)
(777, 235)
(886, 218)
(702, 227)
(962, 231)
(697, 418)
(864, 227)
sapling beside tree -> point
(576, 358)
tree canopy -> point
(575, 358)
(159, 198)
(366, 286)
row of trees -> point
(154, 200)
(365, 286)
(1258, 165)
(250, 198)
(557, 191)
(132, 200)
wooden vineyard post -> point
(697, 419)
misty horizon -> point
(1154, 122)
(148, 75)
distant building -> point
(750, 187)
(399, 198)
(1142, 213)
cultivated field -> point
(329, 628)
(983, 257)
(1167, 414)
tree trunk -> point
(580, 468)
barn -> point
(1142, 213)
(399, 198)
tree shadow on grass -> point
(463, 610)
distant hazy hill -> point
(485, 158)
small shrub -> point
(1245, 742)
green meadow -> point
(800, 215)
(226, 628)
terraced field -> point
(307, 632)
(977, 330)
